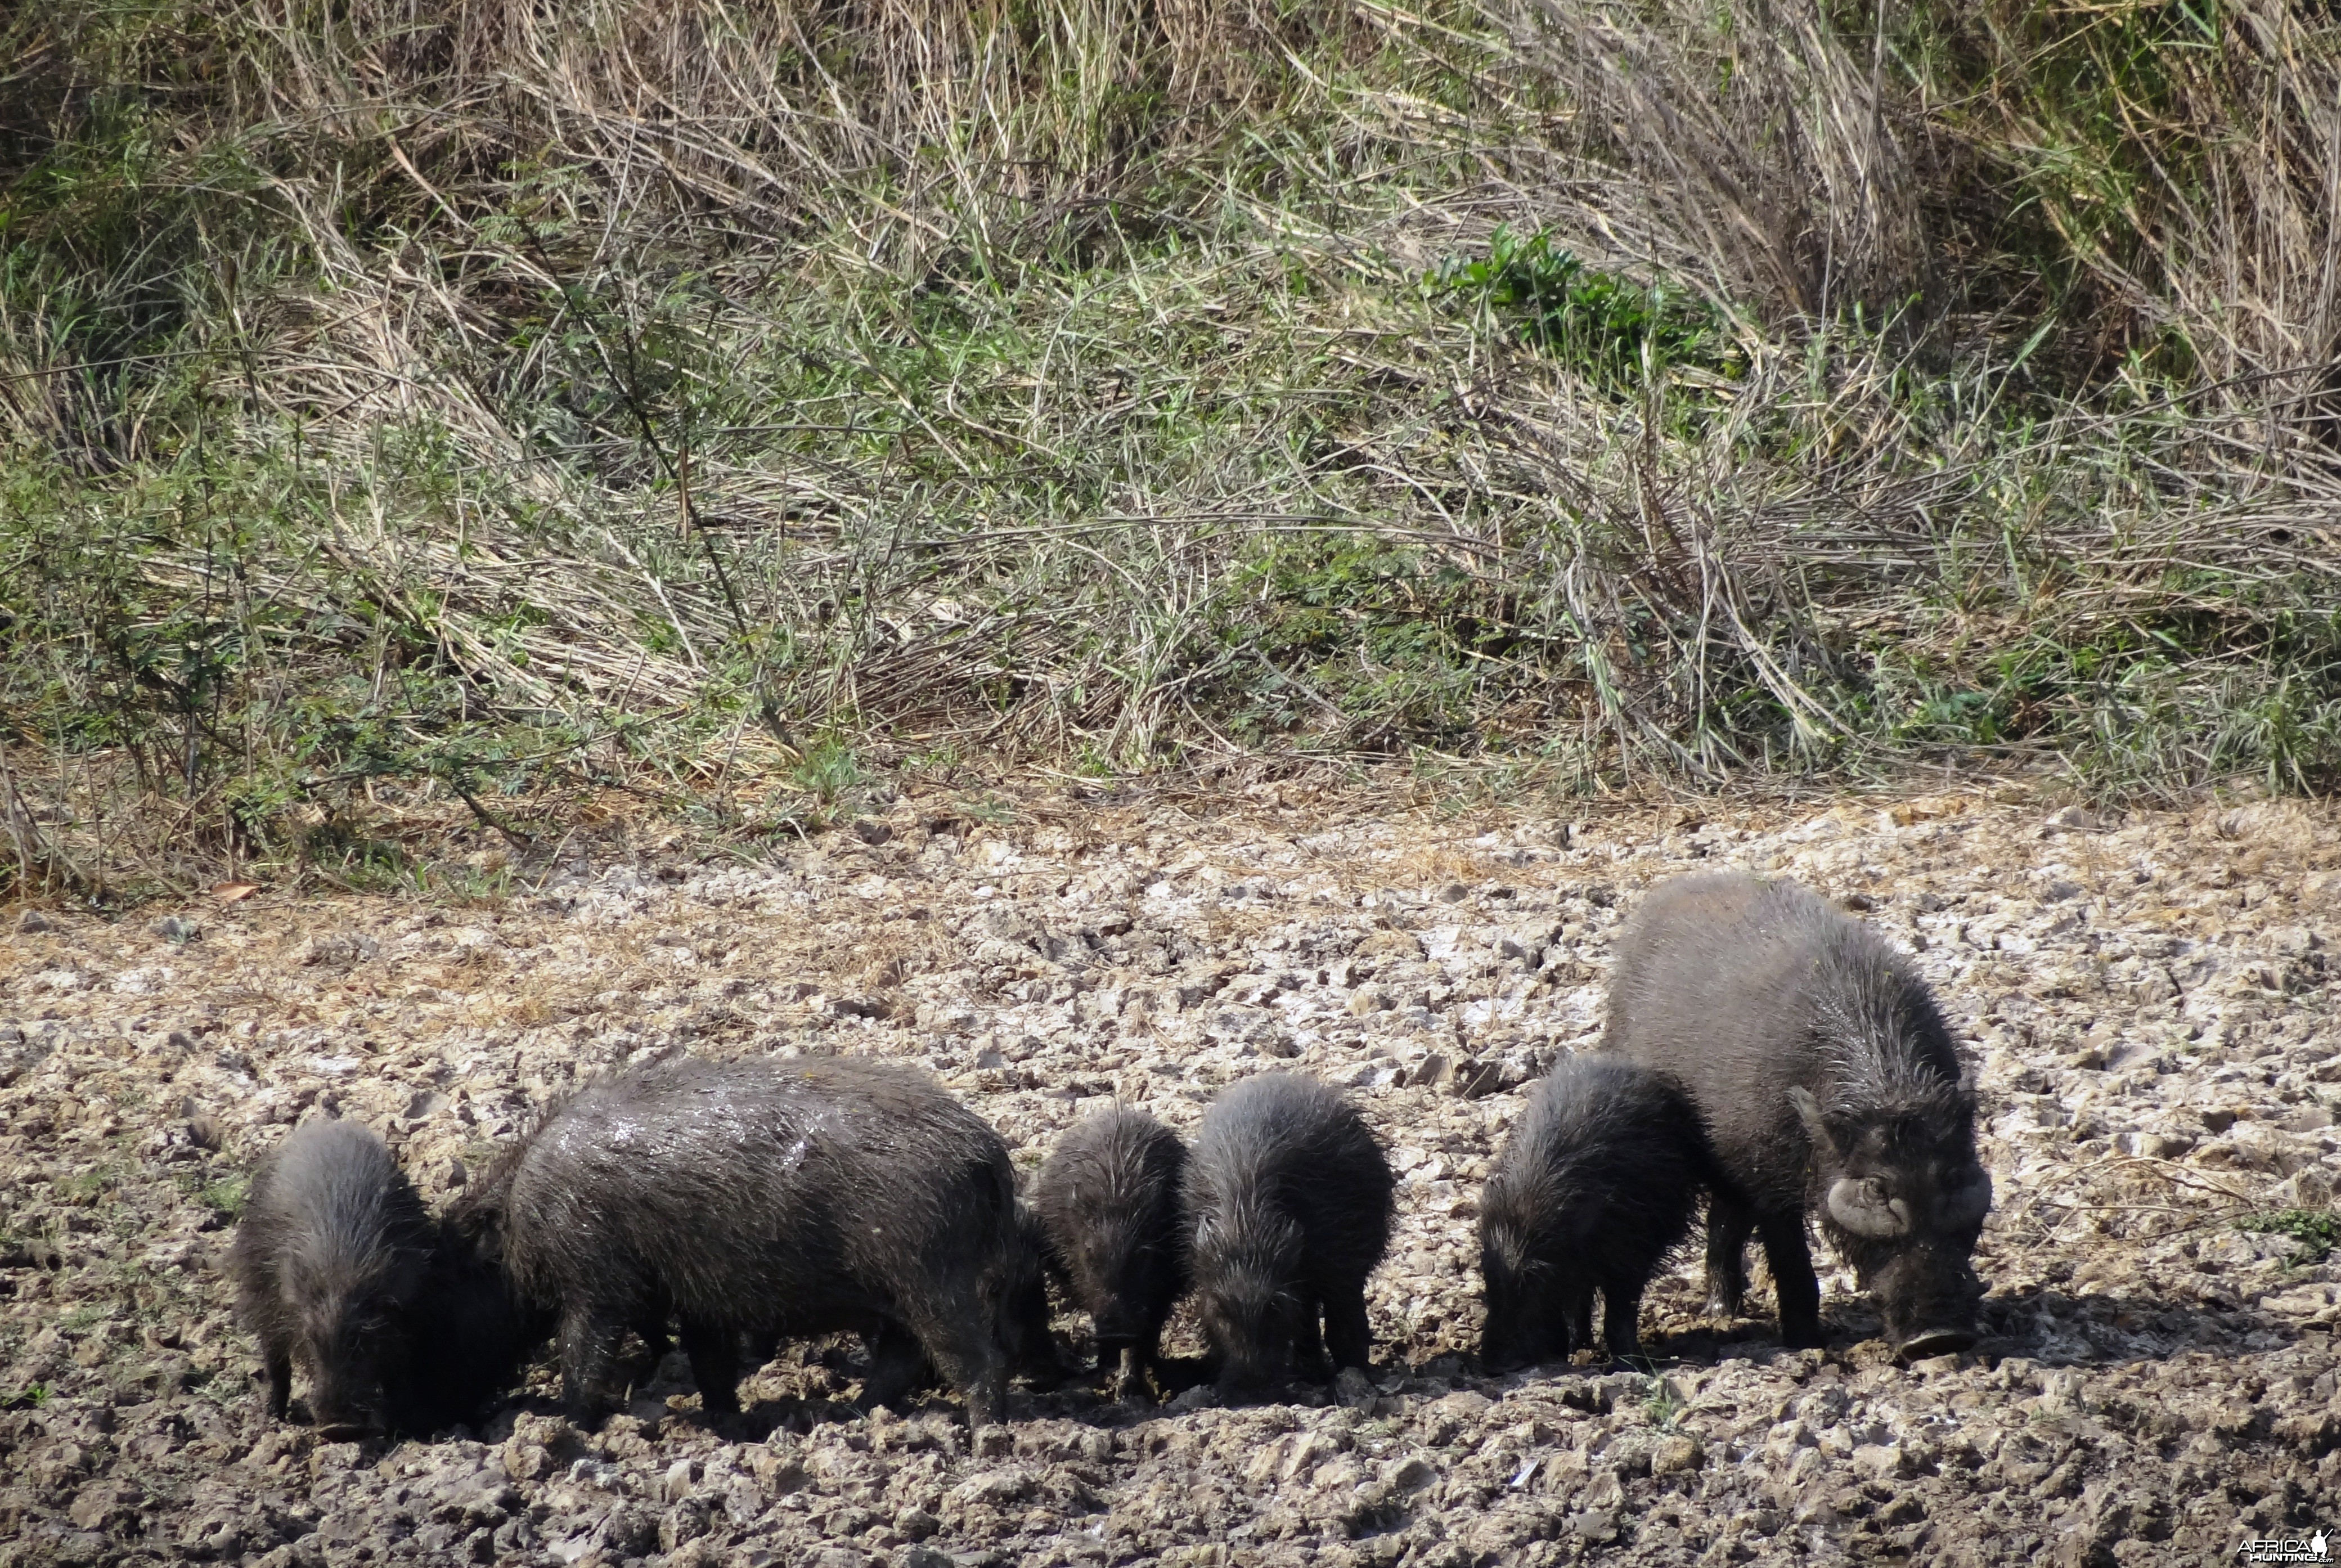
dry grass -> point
(466, 412)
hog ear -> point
(1863, 1208)
(1969, 1197)
(1808, 1111)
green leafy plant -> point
(1615, 332)
(2318, 1231)
(1662, 1403)
(829, 772)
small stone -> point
(337, 949)
(32, 922)
(94, 1505)
(1454, 893)
(2305, 1189)
(1353, 1390)
(1676, 1455)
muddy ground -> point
(2149, 999)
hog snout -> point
(1930, 1300)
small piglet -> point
(399, 1324)
(1107, 1199)
(1595, 1189)
(1289, 1208)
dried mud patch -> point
(2150, 1001)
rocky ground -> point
(2150, 999)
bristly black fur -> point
(1289, 1204)
(1595, 1189)
(766, 1198)
(339, 1271)
(1109, 1202)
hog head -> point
(1521, 1327)
(1902, 1198)
(1248, 1262)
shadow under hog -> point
(1108, 1199)
(1828, 1080)
(1289, 1208)
(1595, 1189)
(399, 1324)
(767, 1199)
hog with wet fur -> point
(1828, 1081)
(1107, 1202)
(1289, 1203)
(761, 1200)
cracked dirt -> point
(2149, 999)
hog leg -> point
(1129, 1369)
(967, 1353)
(1347, 1333)
(1576, 1315)
(277, 1369)
(1729, 1221)
(1791, 1258)
(588, 1342)
(714, 1353)
(897, 1365)
(1308, 1342)
(1622, 1312)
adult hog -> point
(1107, 1199)
(765, 1199)
(1595, 1189)
(1289, 1208)
(1827, 1080)
(398, 1324)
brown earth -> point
(2150, 1000)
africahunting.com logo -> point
(2286, 1549)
